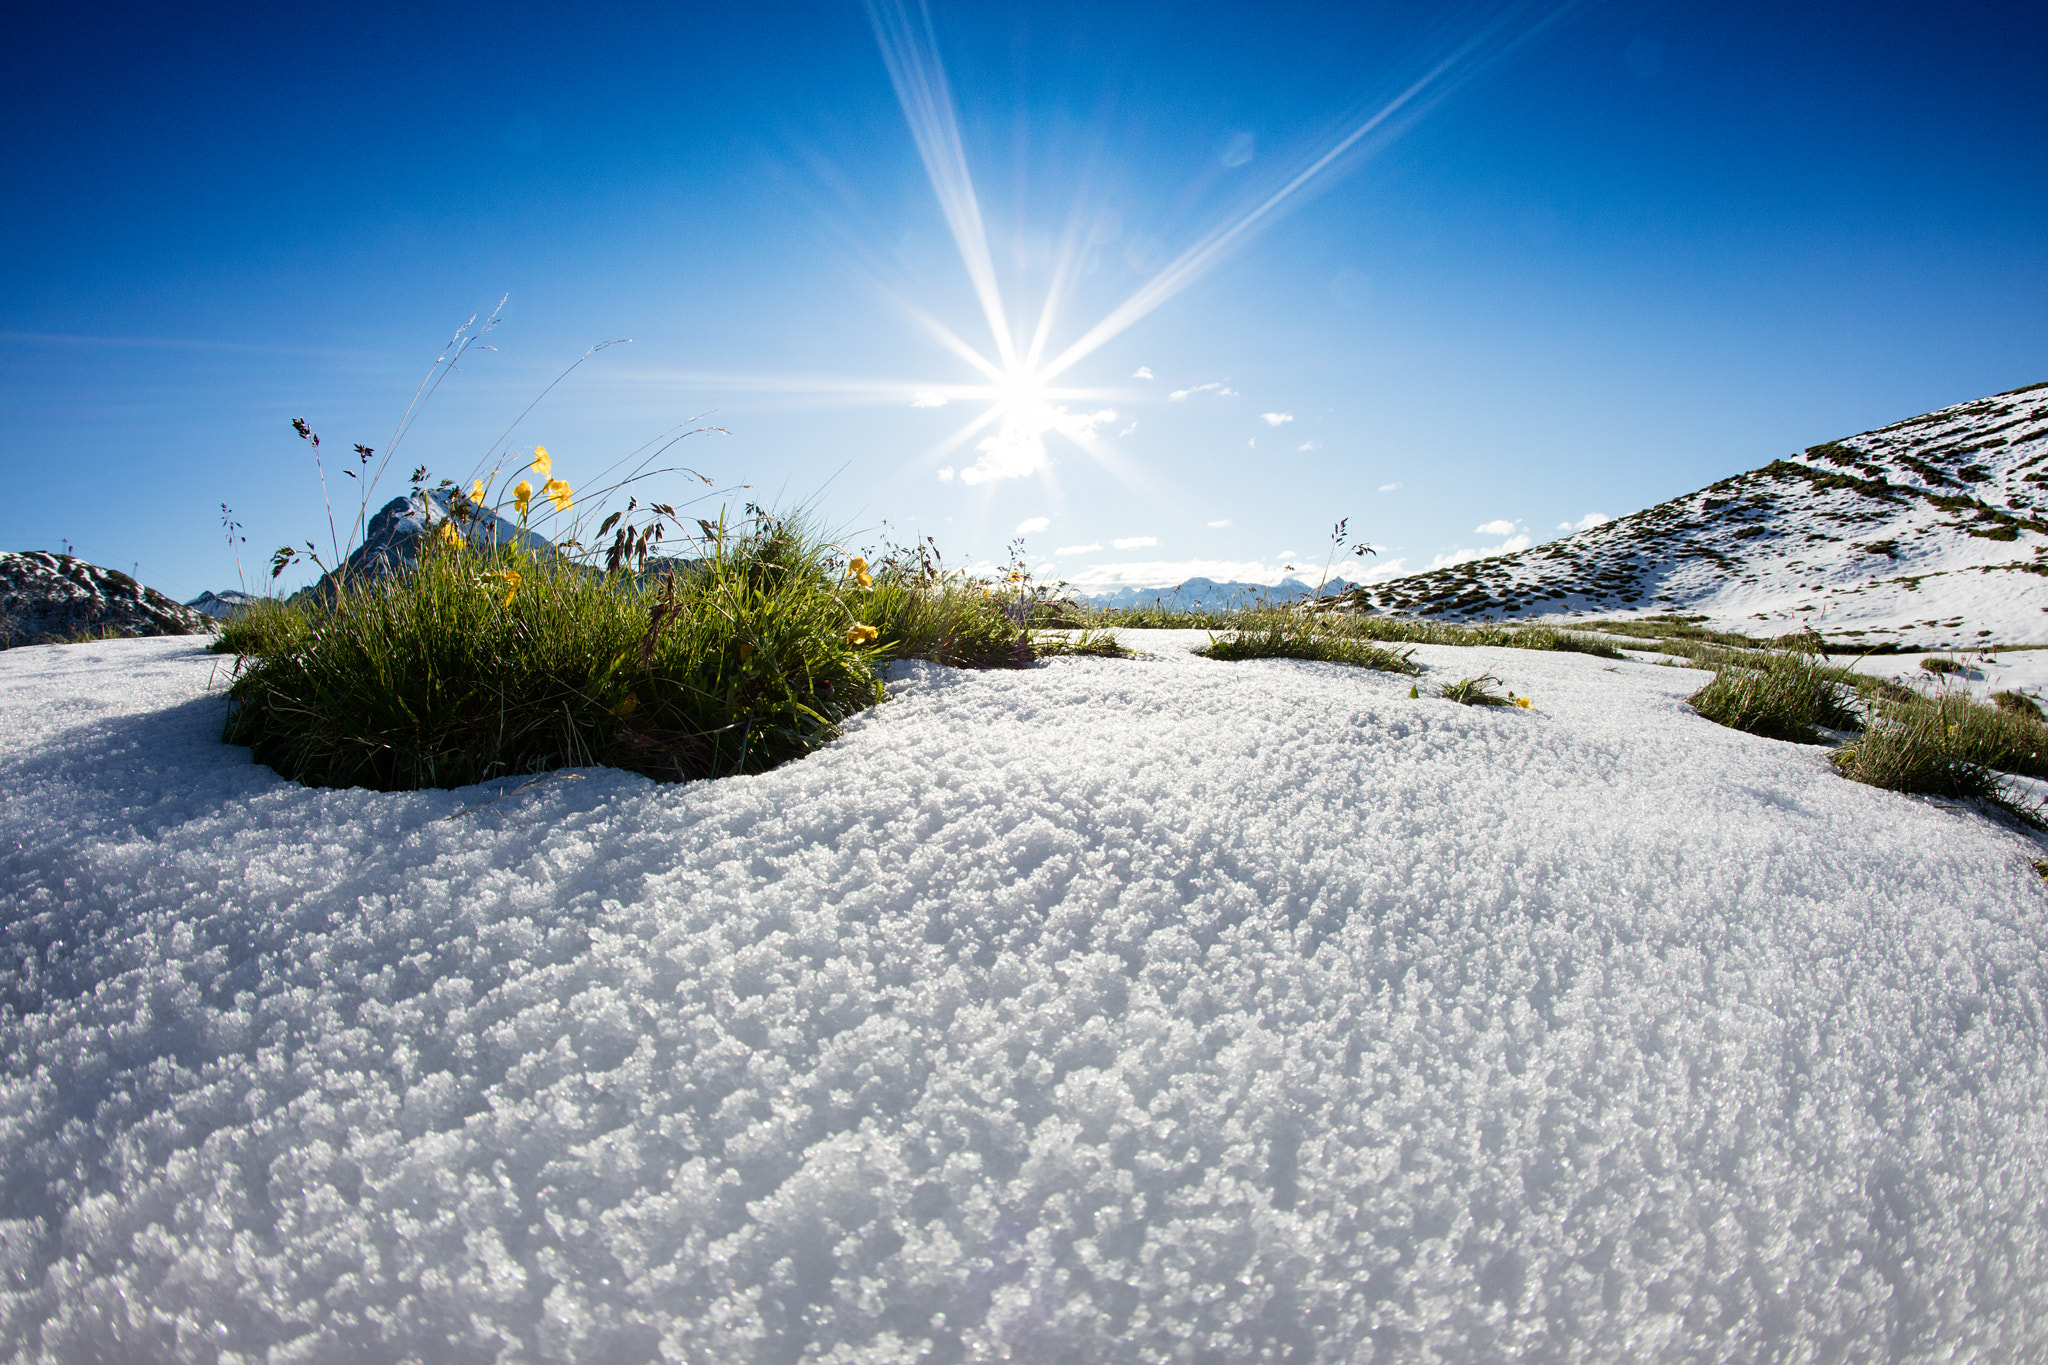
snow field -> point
(2020, 670)
(1107, 1011)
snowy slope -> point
(1929, 532)
(1119, 1011)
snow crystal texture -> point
(1155, 1010)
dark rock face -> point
(49, 599)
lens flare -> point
(1023, 403)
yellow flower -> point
(541, 463)
(858, 571)
(450, 538)
(1522, 702)
(510, 578)
(522, 494)
(557, 492)
(476, 492)
(628, 706)
(860, 635)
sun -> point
(1020, 395)
(1024, 413)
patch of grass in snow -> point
(1974, 731)
(1264, 617)
(1281, 634)
(478, 663)
(1477, 691)
(1938, 664)
(1089, 643)
(1791, 696)
(2017, 704)
(1407, 630)
(1673, 627)
(1947, 745)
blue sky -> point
(1608, 254)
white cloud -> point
(1031, 524)
(1142, 372)
(1502, 527)
(1288, 554)
(1215, 524)
(1077, 549)
(1216, 387)
(1128, 430)
(1310, 445)
(1135, 542)
(1253, 443)
(1388, 487)
(1018, 450)
(1506, 547)
(946, 475)
(1274, 419)
(1585, 523)
(929, 400)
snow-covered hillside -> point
(1108, 1010)
(1929, 532)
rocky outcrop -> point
(392, 540)
(51, 599)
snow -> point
(1928, 532)
(1980, 674)
(1144, 1010)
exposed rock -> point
(50, 599)
(392, 540)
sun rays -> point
(1017, 403)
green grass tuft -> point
(1278, 633)
(1088, 643)
(1933, 748)
(1408, 630)
(474, 665)
(2017, 704)
(1477, 691)
(1789, 696)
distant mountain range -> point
(1206, 594)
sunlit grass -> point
(1948, 745)
(1278, 633)
(475, 664)
(1789, 696)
